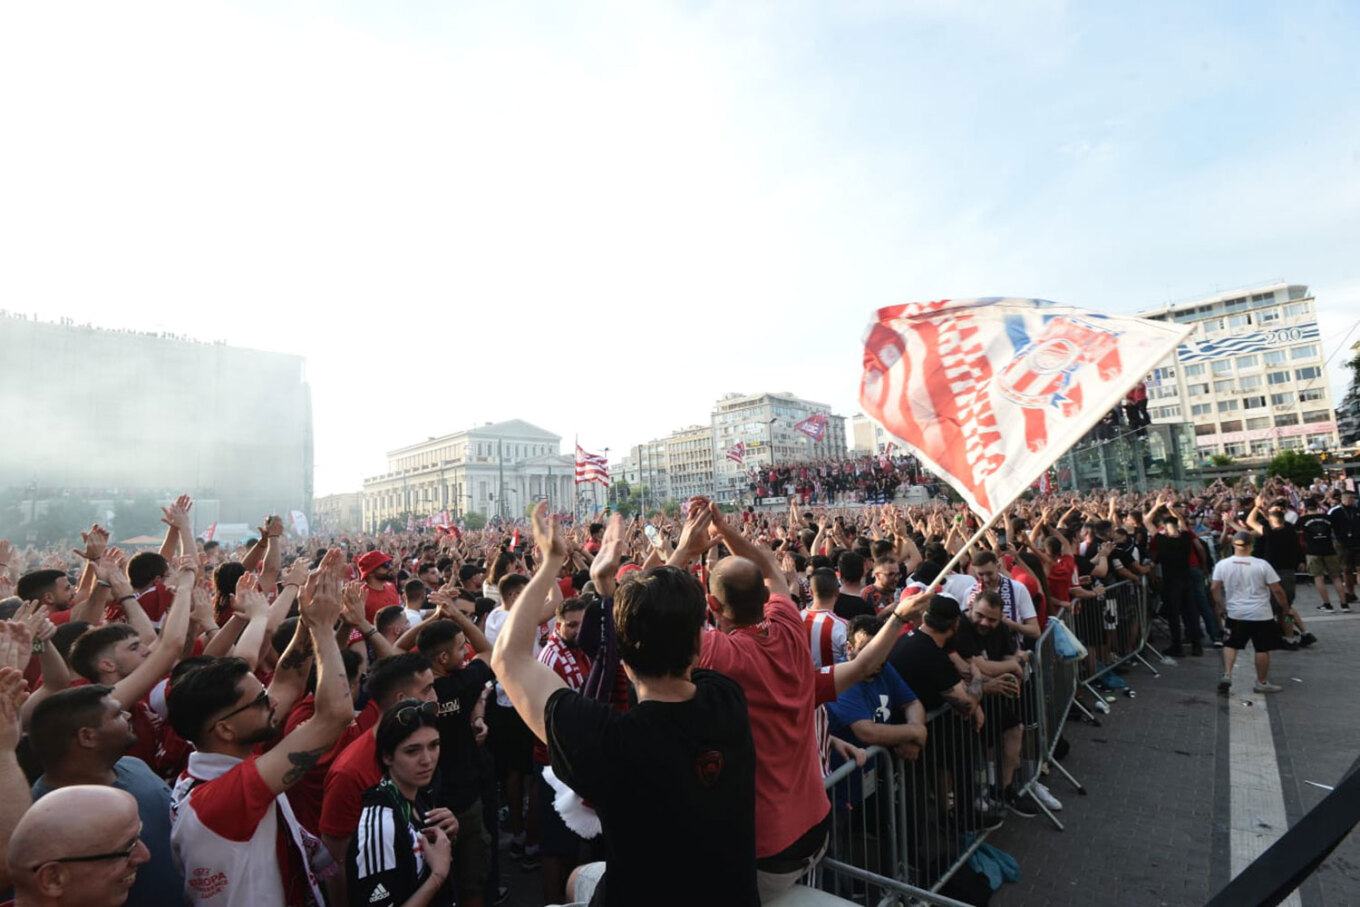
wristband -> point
(371, 631)
(294, 585)
(125, 598)
(100, 582)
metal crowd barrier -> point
(1114, 630)
(904, 827)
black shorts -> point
(511, 741)
(1264, 635)
(999, 713)
(554, 838)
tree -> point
(139, 516)
(1221, 460)
(1296, 466)
(473, 520)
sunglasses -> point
(125, 854)
(411, 714)
(261, 699)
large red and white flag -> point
(591, 467)
(737, 453)
(988, 393)
(813, 426)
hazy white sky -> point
(601, 216)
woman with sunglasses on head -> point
(401, 853)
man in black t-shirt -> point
(460, 692)
(1171, 550)
(850, 603)
(1320, 552)
(673, 780)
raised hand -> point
(249, 599)
(320, 595)
(13, 692)
(273, 527)
(352, 602)
(548, 534)
(16, 644)
(606, 564)
(96, 540)
(296, 574)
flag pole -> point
(962, 552)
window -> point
(1237, 321)
(1290, 443)
(1249, 383)
(1248, 361)
(1227, 406)
(1235, 305)
(1168, 412)
(1222, 367)
(1296, 309)
(1284, 399)
(1263, 297)
(1304, 352)
(1206, 429)
(1261, 448)
(1199, 390)
(1287, 419)
(1278, 378)
(1201, 409)
(1254, 403)
(1236, 449)
(1307, 373)
(1258, 422)
(1195, 370)
(1223, 387)
(1275, 357)
(1165, 372)
(1161, 393)
(1313, 393)
(1268, 316)
(1234, 425)
(1317, 415)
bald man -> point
(77, 847)
(761, 644)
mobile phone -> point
(653, 535)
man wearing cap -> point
(1242, 589)
(375, 569)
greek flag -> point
(1255, 342)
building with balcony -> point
(689, 461)
(765, 424)
(1251, 378)
(644, 466)
(494, 470)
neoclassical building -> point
(496, 469)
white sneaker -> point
(1267, 687)
(1101, 706)
(1044, 796)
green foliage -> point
(473, 520)
(1296, 466)
(140, 516)
(1221, 460)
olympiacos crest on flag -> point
(989, 392)
(814, 426)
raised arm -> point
(527, 682)
(296, 754)
(15, 795)
(741, 546)
(273, 552)
(168, 648)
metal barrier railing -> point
(1114, 629)
(906, 826)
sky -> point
(600, 217)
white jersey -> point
(826, 636)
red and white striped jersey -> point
(826, 636)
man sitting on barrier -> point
(868, 713)
(982, 653)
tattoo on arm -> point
(302, 763)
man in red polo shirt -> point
(355, 770)
(761, 644)
(375, 569)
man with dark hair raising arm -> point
(684, 753)
(229, 807)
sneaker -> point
(1267, 687)
(1307, 640)
(1045, 796)
(1326, 606)
(1225, 683)
(1101, 706)
(1346, 607)
(1218, 643)
(1290, 644)
(1016, 803)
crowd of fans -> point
(848, 480)
(360, 722)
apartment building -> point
(1251, 378)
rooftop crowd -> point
(845, 480)
(648, 716)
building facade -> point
(764, 423)
(867, 436)
(495, 470)
(1251, 378)
(117, 415)
(334, 513)
(644, 466)
(689, 461)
